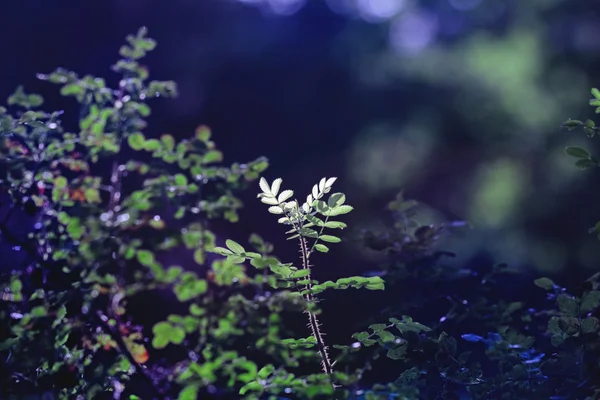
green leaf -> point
(203, 133)
(572, 123)
(590, 325)
(544, 283)
(251, 370)
(344, 209)
(196, 310)
(321, 207)
(321, 247)
(39, 311)
(335, 225)
(377, 327)
(173, 273)
(181, 180)
(336, 200)
(234, 246)
(590, 302)
(177, 335)
(136, 141)
(301, 273)
(236, 259)
(360, 336)
(60, 182)
(190, 392)
(152, 145)
(145, 257)
(199, 256)
(408, 325)
(265, 371)
(253, 386)
(386, 336)
(397, 353)
(212, 156)
(188, 289)
(596, 93)
(143, 109)
(330, 239)
(519, 372)
(221, 250)
(307, 232)
(71, 89)
(315, 220)
(577, 152)
(585, 163)
(567, 305)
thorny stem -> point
(313, 322)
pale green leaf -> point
(275, 186)
(272, 201)
(284, 220)
(234, 246)
(335, 225)
(221, 250)
(344, 209)
(264, 186)
(275, 210)
(286, 194)
(322, 184)
(330, 182)
(321, 247)
(330, 238)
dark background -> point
(459, 102)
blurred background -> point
(458, 102)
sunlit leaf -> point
(264, 186)
(344, 209)
(284, 195)
(275, 186)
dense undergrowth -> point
(88, 212)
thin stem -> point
(313, 321)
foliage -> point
(92, 215)
(473, 343)
(97, 242)
(96, 238)
(584, 158)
